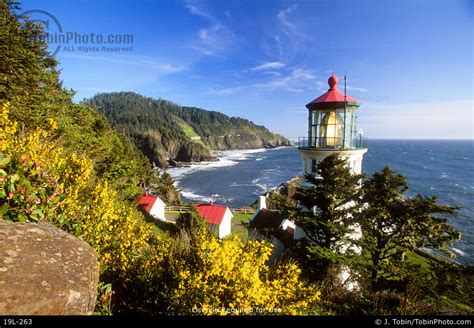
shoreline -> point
(216, 157)
(224, 158)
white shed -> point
(153, 205)
(219, 216)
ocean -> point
(443, 168)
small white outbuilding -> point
(218, 216)
(153, 205)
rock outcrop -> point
(45, 271)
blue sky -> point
(410, 62)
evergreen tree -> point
(192, 221)
(29, 78)
(325, 214)
(166, 189)
(393, 224)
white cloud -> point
(268, 65)
(284, 20)
(296, 81)
(196, 10)
(273, 73)
(278, 45)
(214, 39)
(289, 39)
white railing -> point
(186, 209)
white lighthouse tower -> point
(332, 129)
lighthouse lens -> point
(331, 130)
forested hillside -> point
(166, 132)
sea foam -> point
(226, 158)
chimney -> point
(262, 202)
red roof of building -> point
(213, 214)
(147, 202)
(333, 95)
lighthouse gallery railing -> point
(331, 143)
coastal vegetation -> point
(370, 228)
(168, 133)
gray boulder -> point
(45, 271)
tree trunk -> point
(374, 271)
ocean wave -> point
(262, 188)
(235, 184)
(238, 154)
(226, 158)
(193, 196)
(458, 251)
(255, 181)
(177, 172)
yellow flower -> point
(53, 124)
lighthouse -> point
(332, 128)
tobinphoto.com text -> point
(91, 42)
(55, 36)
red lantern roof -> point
(332, 96)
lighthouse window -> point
(331, 130)
(313, 166)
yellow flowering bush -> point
(39, 180)
(8, 128)
(35, 174)
(233, 277)
(115, 231)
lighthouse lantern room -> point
(332, 129)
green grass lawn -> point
(417, 259)
(173, 212)
(189, 131)
(240, 217)
(241, 233)
(237, 228)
